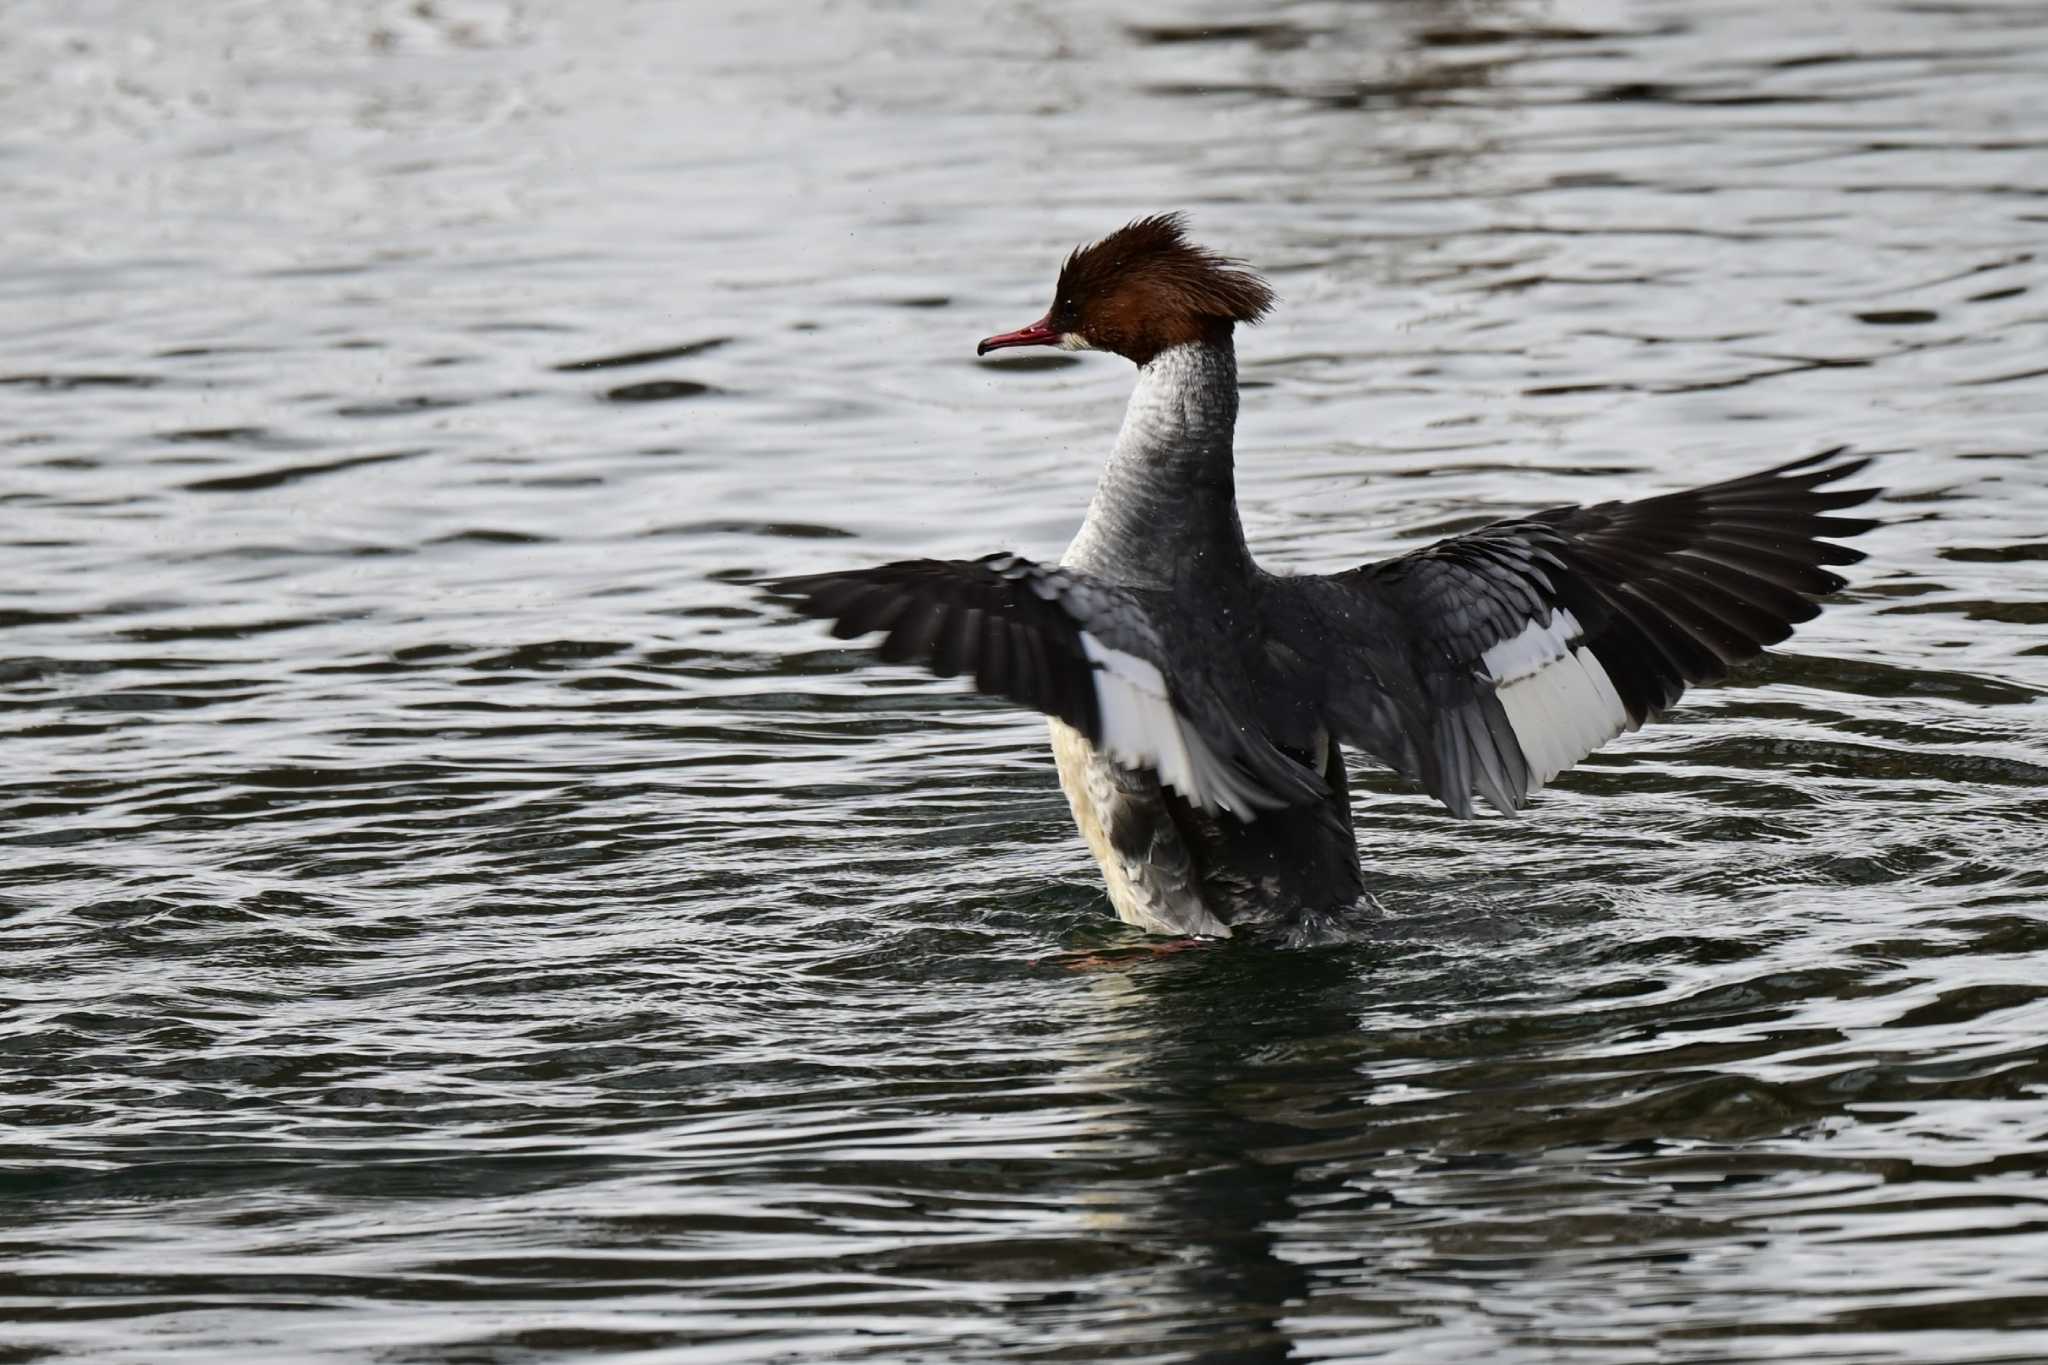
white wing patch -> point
(1141, 728)
(1559, 700)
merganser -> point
(1198, 702)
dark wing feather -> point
(954, 616)
(1085, 652)
(1491, 684)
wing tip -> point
(1817, 459)
(1816, 471)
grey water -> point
(446, 915)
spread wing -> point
(1090, 654)
(1490, 662)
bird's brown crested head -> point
(1142, 289)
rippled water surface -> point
(448, 916)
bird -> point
(1200, 704)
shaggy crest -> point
(1146, 287)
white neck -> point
(1165, 508)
